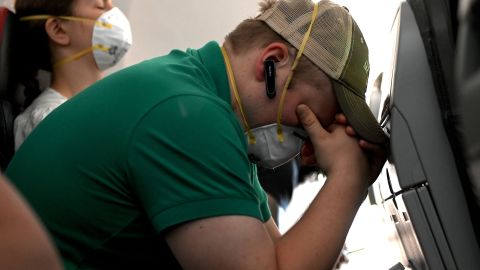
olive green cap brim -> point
(359, 115)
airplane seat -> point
(424, 187)
(8, 107)
(468, 83)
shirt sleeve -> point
(187, 160)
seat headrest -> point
(6, 29)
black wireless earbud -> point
(270, 87)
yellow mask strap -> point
(69, 18)
(80, 54)
(251, 137)
(72, 18)
(292, 70)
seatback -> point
(468, 84)
(424, 186)
(8, 109)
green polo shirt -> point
(145, 149)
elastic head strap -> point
(80, 54)
(251, 137)
(69, 18)
(292, 70)
(72, 18)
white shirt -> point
(44, 104)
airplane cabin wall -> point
(161, 26)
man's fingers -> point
(310, 122)
(370, 146)
(350, 131)
(341, 119)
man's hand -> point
(377, 154)
(334, 149)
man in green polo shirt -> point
(154, 166)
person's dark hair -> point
(32, 51)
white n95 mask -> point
(268, 152)
(112, 37)
(273, 145)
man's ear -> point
(56, 31)
(276, 51)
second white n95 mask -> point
(113, 33)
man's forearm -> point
(317, 238)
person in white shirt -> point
(48, 100)
(75, 40)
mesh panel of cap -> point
(329, 43)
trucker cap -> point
(336, 45)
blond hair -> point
(253, 33)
